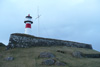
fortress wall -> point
(23, 40)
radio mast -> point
(38, 16)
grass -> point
(1, 44)
(28, 57)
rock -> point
(77, 54)
(8, 47)
(58, 63)
(92, 55)
(9, 58)
(60, 51)
(80, 55)
(48, 62)
(46, 55)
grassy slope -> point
(28, 57)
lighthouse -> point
(28, 21)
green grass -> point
(1, 44)
(28, 57)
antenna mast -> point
(38, 16)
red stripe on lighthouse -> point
(28, 25)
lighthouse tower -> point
(28, 21)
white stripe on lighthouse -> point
(27, 30)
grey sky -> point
(73, 20)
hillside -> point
(1, 44)
(29, 57)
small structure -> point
(28, 23)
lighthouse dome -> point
(28, 19)
(29, 16)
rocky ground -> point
(58, 56)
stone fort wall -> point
(24, 40)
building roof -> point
(28, 16)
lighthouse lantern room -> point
(28, 21)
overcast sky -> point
(73, 20)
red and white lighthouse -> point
(28, 21)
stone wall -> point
(23, 40)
